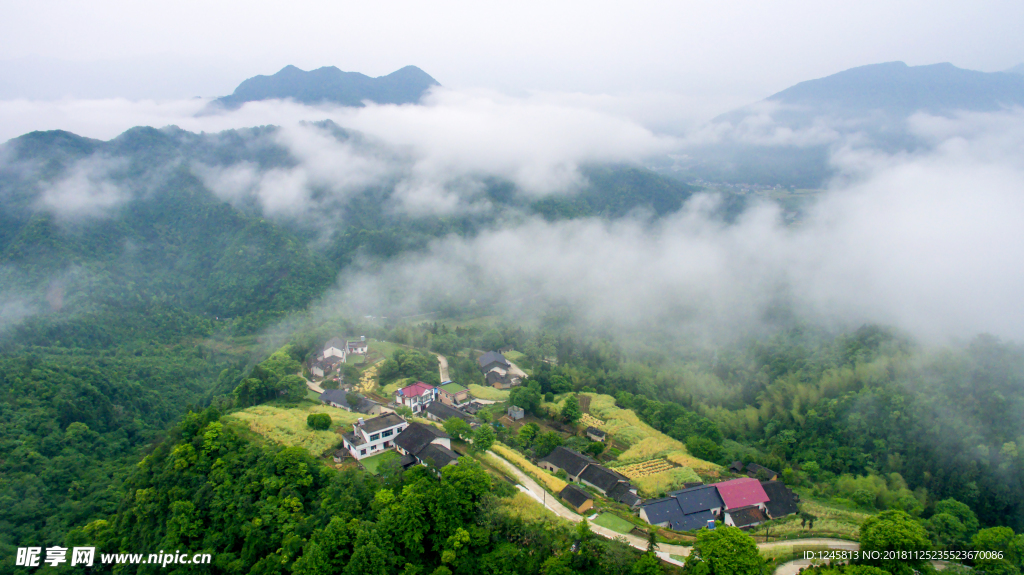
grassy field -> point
(312, 395)
(373, 463)
(830, 522)
(527, 508)
(489, 392)
(287, 426)
(613, 522)
(554, 484)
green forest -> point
(126, 339)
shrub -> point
(320, 421)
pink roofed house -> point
(744, 500)
(416, 396)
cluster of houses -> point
(586, 471)
(415, 442)
(439, 403)
(498, 371)
(334, 353)
(744, 502)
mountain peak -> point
(328, 84)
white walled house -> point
(373, 436)
(416, 396)
(335, 348)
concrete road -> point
(442, 367)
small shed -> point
(596, 434)
(516, 413)
(577, 498)
(339, 455)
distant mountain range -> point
(331, 85)
(873, 101)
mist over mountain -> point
(329, 85)
(789, 137)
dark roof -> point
(417, 436)
(596, 431)
(623, 494)
(334, 396)
(444, 412)
(782, 499)
(601, 477)
(736, 467)
(382, 422)
(574, 496)
(491, 357)
(698, 499)
(753, 469)
(693, 521)
(407, 461)
(662, 510)
(439, 454)
(745, 516)
(335, 342)
(572, 462)
(353, 439)
(341, 398)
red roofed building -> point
(416, 396)
(740, 496)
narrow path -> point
(442, 367)
(311, 385)
(528, 485)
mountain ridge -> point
(328, 84)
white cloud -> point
(86, 191)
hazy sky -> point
(710, 56)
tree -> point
(292, 387)
(961, 511)
(546, 443)
(527, 433)
(571, 411)
(946, 530)
(405, 411)
(595, 448)
(353, 399)
(457, 427)
(483, 439)
(724, 551)
(319, 421)
(894, 530)
(1000, 539)
(703, 448)
(647, 564)
(525, 397)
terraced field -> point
(645, 468)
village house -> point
(515, 413)
(373, 436)
(577, 498)
(339, 398)
(334, 348)
(324, 366)
(744, 502)
(625, 493)
(601, 478)
(574, 463)
(439, 412)
(595, 434)
(498, 371)
(452, 394)
(781, 499)
(416, 396)
(425, 445)
(684, 510)
(357, 347)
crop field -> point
(489, 392)
(655, 484)
(645, 468)
(591, 421)
(288, 426)
(831, 521)
(553, 483)
(368, 380)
